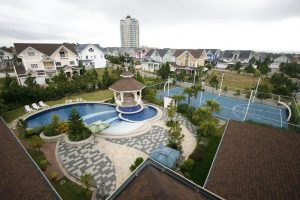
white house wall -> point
(96, 57)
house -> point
(91, 55)
(212, 55)
(112, 51)
(256, 162)
(140, 53)
(28, 183)
(45, 60)
(155, 57)
(234, 56)
(160, 55)
(152, 180)
(6, 56)
(190, 57)
(296, 59)
(282, 59)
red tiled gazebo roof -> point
(127, 84)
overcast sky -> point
(269, 25)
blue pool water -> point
(90, 112)
(233, 108)
(130, 109)
(147, 113)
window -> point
(72, 63)
(31, 53)
(91, 50)
(58, 63)
(87, 57)
(62, 54)
(34, 66)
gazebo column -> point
(115, 95)
(135, 96)
(122, 97)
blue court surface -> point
(233, 108)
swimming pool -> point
(233, 108)
(91, 112)
(148, 112)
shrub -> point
(43, 164)
(170, 123)
(77, 130)
(53, 176)
(237, 93)
(34, 131)
(63, 127)
(136, 163)
(197, 154)
(187, 165)
(187, 175)
(36, 142)
(53, 128)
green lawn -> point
(36, 155)
(70, 190)
(9, 116)
(201, 168)
(100, 72)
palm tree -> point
(202, 114)
(87, 180)
(213, 106)
(214, 82)
(178, 99)
(189, 92)
(196, 89)
(172, 111)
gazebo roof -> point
(127, 84)
(165, 155)
(127, 74)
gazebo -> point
(127, 92)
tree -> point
(196, 89)
(60, 78)
(237, 66)
(87, 180)
(263, 92)
(53, 128)
(178, 98)
(214, 82)
(189, 92)
(36, 142)
(202, 114)
(172, 109)
(30, 80)
(250, 69)
(77, 130)
(164, 71)
(106, 79)
(207, 129)
(264, 66)
(213, 105)
(136, 163)
(175, 137)
(139, 77)
(283, 85)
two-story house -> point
(234, 56)
(6, 56)
(44, 60)
(91, 55)
(212, 55)
(155, 57)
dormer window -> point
(62, 54)
(91, 50)
(31, 53)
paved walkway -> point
(87, 158)
(146, 142)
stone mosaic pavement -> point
(87, 159)
(146, 142)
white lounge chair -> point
(41, 103)
(28, 109)
(35, 106)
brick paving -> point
(146, 142)
(88, 159)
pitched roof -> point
(244, 54)
(256, 162)
(161, 52)
(20, 176)
(20, 69)
(213, 51)
(153, 181)
(196, 53)
(80, 47)
(45, 48)
(127, 84)
(9, 50)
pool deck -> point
(109, 159)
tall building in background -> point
(130, 32)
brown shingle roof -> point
(152, 181)
(256, 162)
(46, 48)
(9, 50)
(127, 84)
(20, 178)
(196, 53)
